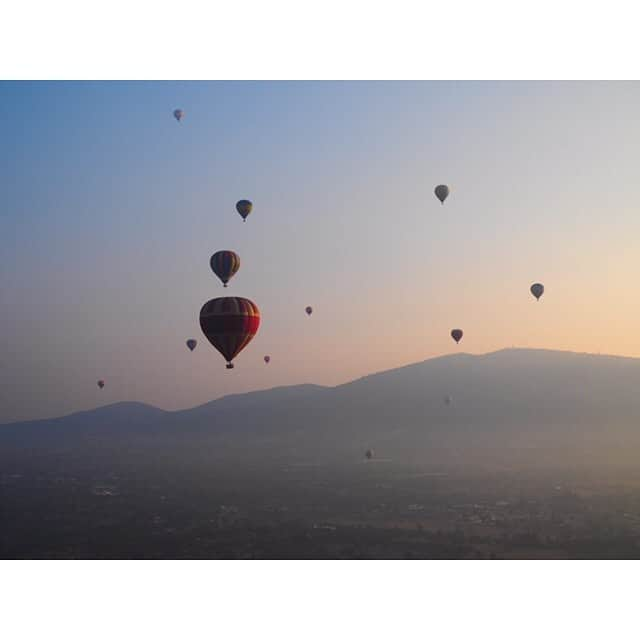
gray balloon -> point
(537, 290)
(441, 191)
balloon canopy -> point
(229, 324)
(225, 265)
(441, 191)
(537, 290)
(244, 208)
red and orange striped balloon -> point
(229, 324)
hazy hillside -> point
(509, 405)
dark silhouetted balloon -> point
(178, 114)
(309, 310)
(101, 383)
(244, 208)
(537, 290)
(369, 453)
(441, 191)
(191, 343)
(229, 325)
(457, 334)
(225, 265)
(267, 359)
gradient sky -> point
(110, 211)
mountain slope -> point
(509, 400)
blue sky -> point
(111, 210)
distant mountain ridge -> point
(538, 357)
(505, 397)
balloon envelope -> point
(267, 359)
(191, 343)
(225, 265)
(178, 114)
(457, 334)
(537, 290)
(244, 208)
(309, 310)
(229, 324)
(448, 400)
(101, 383)
(369, 454)
(441, 191)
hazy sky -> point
(110, 211)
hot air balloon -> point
(457, 334)
(244, 208)
(448, 400)
(537, 290)
(368, 454)
(101, 383)
(191, 343)
(441, 191)
(267, 359)
(178, 114)
(225, 265)
(229, 324)
(309, 310)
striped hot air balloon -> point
(229, 324)
(225, 265)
